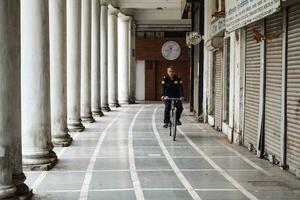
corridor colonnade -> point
(61, 63)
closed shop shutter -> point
(252, 78)
(293, 88)
(218, 89)
(273, 86)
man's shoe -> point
(178, 123)
(166, 125)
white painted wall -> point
(234, 61)
(140, 80)
(207, 63)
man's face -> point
(171, 72)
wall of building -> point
(196, 61)
(207, 60)
(267, 121)
(237, 45)
(148, 49)
(232, 126)
(140, 80)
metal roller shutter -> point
(272, 120)
(293, 88)
(252, 78)
(218, 89)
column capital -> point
(112, 10)
(133, 24)
(124, 18)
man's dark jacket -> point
(172, 88)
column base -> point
(62, 140)
(123, 102)
(87, 119)
(27, 196)
(114, 105)
(98, 113)
(106, 109)
(132, 102)
(39, 162)
(23, 192)
(22, 188)
(75, 127)
(8, 192)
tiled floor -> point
(127, 155)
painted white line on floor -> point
(247, 160)
(164, 189)
(144, 189)
(172, 163)
(155, 170)
(89, 172)
(63, 150)
(217, 190)
(72, 157)
(152, 170)
(178, 157)
(39, 180)
(43, 174)
(57, 191)
(134, 176)
(112, 190)
(218, 168)
(84, 171)
(150, 157)
(112, 170)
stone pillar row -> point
(86, 30)
(95, 62)
(113, 57)
(123, 58)
(11, 173)
(104, 57)
(67, 60)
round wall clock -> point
(171, 50)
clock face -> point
(171, 50)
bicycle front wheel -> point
(174, 125)
(170, 128)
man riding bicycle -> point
(171, 86)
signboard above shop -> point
(218, 27)
(240, 13)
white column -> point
(73, 64)
(113, 56)
(11, 177)
(132, 62)
(103, 52)
(58, 73)
(35, 86)
(123, 57)
(95, 79)
(86, 111)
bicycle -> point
(173, 121)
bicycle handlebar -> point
(174, 99)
